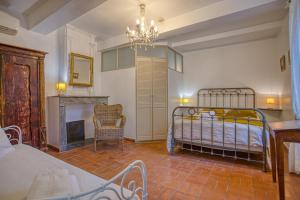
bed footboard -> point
(136, 192)
(197, 129)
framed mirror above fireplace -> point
(81, 70)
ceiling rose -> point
(143, 34)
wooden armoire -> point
(22, 91)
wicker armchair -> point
(109, 123)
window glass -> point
(156, 51)
(159, 52)
(179, 62)
(141, 51)
(109, 60)
(125, 57)
(171, 59)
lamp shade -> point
(61, 87)
(270, 100)
(184, 101)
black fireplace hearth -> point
(75, 131)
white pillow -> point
(5, 145)
(207, 114)
(53, 184)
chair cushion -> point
(98, 123)
(109, 132)
(119, 122)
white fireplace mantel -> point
(57, 130)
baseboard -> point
(129, 139)
(149, 141)
(52, 147)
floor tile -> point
(184, 175)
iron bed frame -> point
(227, 99)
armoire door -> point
(144, 98)
(20, 96)
(160, 98)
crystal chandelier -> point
(142, 34)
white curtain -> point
(294, 26)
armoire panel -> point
(22, 91)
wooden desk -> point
(286, 131)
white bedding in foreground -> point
(255, 133)
(19, 168)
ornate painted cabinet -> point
(22, 91)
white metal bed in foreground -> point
(20, 167)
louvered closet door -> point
(159, 92)
(144, 98)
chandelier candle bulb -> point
(152, 22)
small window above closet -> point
(124, 57)
(109, 60)
(156, 52)
(175, 60)
(118, 58)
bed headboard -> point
(226, 97)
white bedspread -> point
(255, 133)
(19, 168)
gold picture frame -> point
(81, 70)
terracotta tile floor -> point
(182, 176)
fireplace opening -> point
(75, 131)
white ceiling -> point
(112, 17)
(186, 25)
(45, 16)
(247, 18)
(19, 6)
(185, 20)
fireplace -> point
(67, 109)
(75, 131)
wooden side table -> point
(286, 131)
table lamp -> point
(61, 88)
(270, 101)
(184, 101)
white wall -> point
(251, 64)
(282, 49)
(73, 40)
(119, 85)
(48, 43)
(175, 91)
